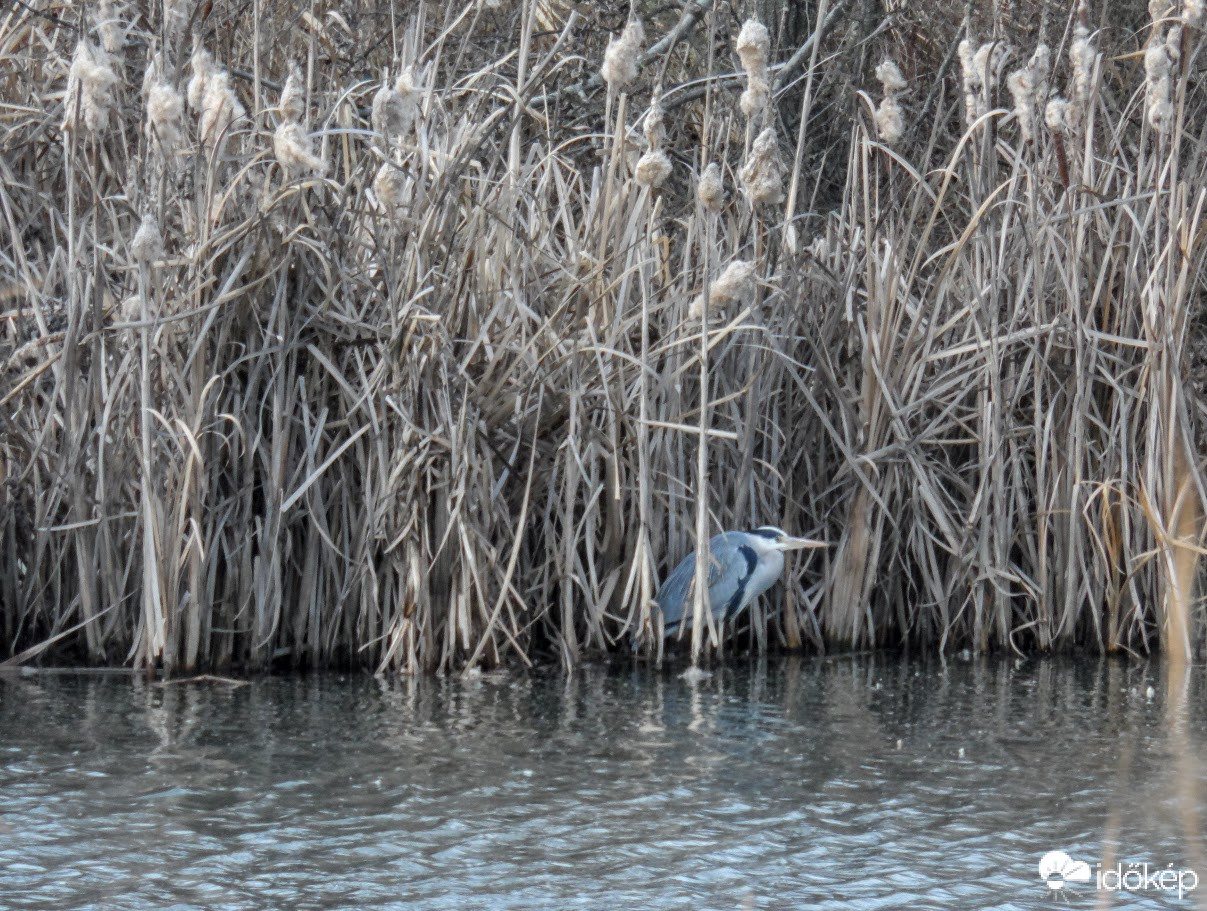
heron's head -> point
(778, 539)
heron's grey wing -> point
(732, 566)
(672, 595)
(729, 570)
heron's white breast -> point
(768, 570)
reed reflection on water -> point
(850, 782)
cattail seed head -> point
(165, 117)
(653, 168)
(130, 309)
(1193, 12)
(1041, 66)
(1027, 86)
(734, 285)
(406, 86)
(396, 107)
(754, 47)
(110, 27)
(1082, 59)
(90, 84)
(1156, 63)
(1159, 108)
(890, 122)
(890, 77)
(292, 148)
(755, 97)
(389, 186)
(971, 81)
(710, 191)
(988, 60)
(1021, 84)
(623, 56)
(1173, 44)
(388, 114)
(147, 244)
(293, 97)
(1157, 87)
(762, 174)
(1056, 115)
(202, 64)
(219, 108)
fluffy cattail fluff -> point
(710, 191)
(1193, 12)
(754, 47)
(130, 309)
(389, 186)
(1157, 103)
(890, 122)
(979, 69)
(890, 77)
(293, 97)
(754, 50)
(147, 244)
(762, 174)
(1082, 59)
(1022, 89)
(1173, 44)
(652, 168)
(395, 107)
(1041, 67)
(1056, 115)
(90, 84)
(733, 285)
(971, 81)
(165, 117)
(110, 27)
(623, 56)
(291, 145)
(987, 61)
(203, 68)
(756, 96)
(219, 108)
(388, 114)
(406, 86)
(1027, 85)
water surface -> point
(855, 783)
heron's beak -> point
(790, 543)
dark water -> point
(843, 783)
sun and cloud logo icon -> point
(1058, 870)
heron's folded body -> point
(742, 565)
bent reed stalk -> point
(405, 349)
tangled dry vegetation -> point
(371, 338)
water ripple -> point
(861, 784)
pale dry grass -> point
(408, 374)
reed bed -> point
(429, 337)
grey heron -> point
(743, 565)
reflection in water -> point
(852, 783)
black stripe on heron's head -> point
(770, 532)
